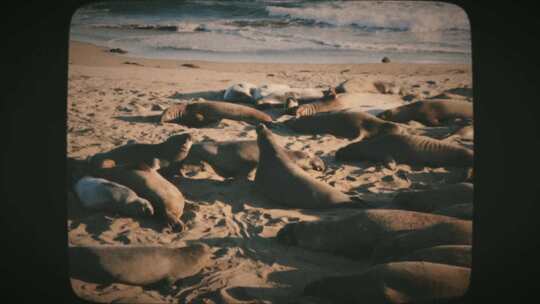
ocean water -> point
(279, 31)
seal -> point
(240, 92)
(137, 265)
(285, 183)
(167, 200)
(440, 197)
(431, 113)
(202, 113)
(399, 282)
(328, 103)
(456, 232)
(364, 230)
(407, 149)
(101, 194)
(456, 255)
(460, 211)
(350, 125)
(463, 133)
(170, 153)
(239, 159)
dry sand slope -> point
(109, 102)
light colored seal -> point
(137, 265)
(392, 283)
(407, 149)
(170, 153)
(101, 194)
(350, 125)
(356, 235)
(431, 113)
(167, 200)
(440, 197)
(240, 92)
(456, 232)
(456, 255)
(240, 158)
(285, 183)
(202, 113)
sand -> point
(110, 98)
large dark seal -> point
(351, 125)
(170, 153)
(355, 236)
(407, 149)
(457, 232)
(200, 114)
(460, 211)
(101, 194)
(285, 183)
(456, 255)
(167, 200)
(400, 282)
(431, 113)
(240, 158)
(440, 197)
(137, 265)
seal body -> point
(355, 236)
(351, 125)
(408, 149)
(441, 197)
(399, 282)
(137, 265)
(240, 158)
(200, 114)
(240, 92)
(170, 153)
(457, 232)
(461, 211)
(284, 182)
(431, 113)
(167, 200)
(456, 255)
(101, 194)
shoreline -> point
(99, 56)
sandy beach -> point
(110, 98)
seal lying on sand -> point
(351, 125)
(101, 194)
(355, 236)
(329, 102)
(408, 149)
(457, 232)
(400, 282)
(460, 211)
(137, 265)
(202, 113)
(169, 153)
(431, 113)
(240, 92)
(284, 182)
(441, 197)
(239, 158)
(167, 200)
(456, 255)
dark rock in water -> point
(385, 60)
(118, 50)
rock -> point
(385, 60)
(118, 50)
(191, 65)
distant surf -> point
(279, 31)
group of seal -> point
(420, 249)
